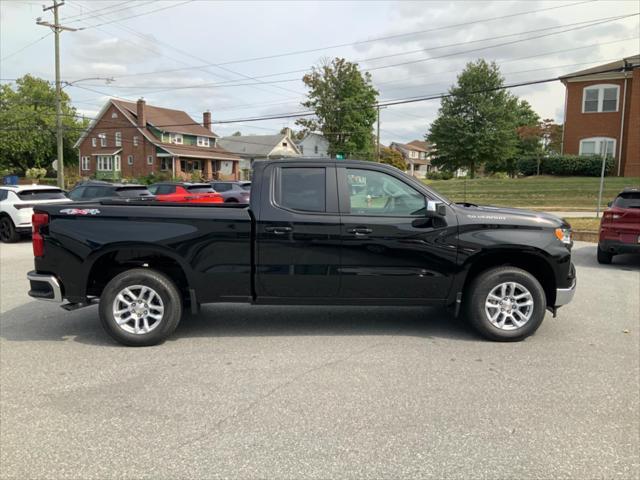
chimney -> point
(206, 120)
(142, 117)
(287, 131)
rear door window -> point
(303, 189)
(97, 192)
(222, 187)
(41, 194)
(133, 192)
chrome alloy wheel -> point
(138, 309)
(509, 306)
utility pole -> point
(378, 138)
(57, 28)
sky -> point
(245, 59)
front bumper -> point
(45, 287)
(565, 295)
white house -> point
(314, 145)
(259, 147)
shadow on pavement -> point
(585, 256)
(31, 322)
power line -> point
(92, 13)
(137, 15)
(26, 46)
(575, 26)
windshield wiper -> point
(466, 204)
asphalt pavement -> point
(323, 392)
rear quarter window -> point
(199, 189)
(41, 194)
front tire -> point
(8, 233)
(506, 304)
(140, 307)
(604, 257)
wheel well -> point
(533, 264)
(111, 264)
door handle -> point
(278, 230)
(360, 231)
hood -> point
(505, 215)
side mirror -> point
(435, 209)
(609, 204)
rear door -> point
(390, 248)
(298, 233)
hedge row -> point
(567, 165)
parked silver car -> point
(233, 192)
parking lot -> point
(322, 392)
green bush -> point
(564, 165)
(440, 175)
(154, 178)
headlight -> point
(564, 235)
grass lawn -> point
(586, 224)
(543, 192)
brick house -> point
(602, 114)
(133, 139)
(416, 155)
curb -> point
(586, 236)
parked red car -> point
(620, 226)
(185, 192)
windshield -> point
(199, 189)
(42, 194)
(133, 192)
(628, 200)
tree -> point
(476, 123)
(27, 125)
(237, 133)
(295, 135)
(392, 157)
(551, 134)
(344, 102)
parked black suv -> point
(96, 190)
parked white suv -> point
(16, 202)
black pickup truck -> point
(316, 232)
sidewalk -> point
(574, 214)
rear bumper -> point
(616, 247)
(45, 287)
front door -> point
(390, 249)
(298, 232)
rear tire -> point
(231, 200)
(140, 307)
(8, 232)
(604, 257)
(505, 304)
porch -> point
(210, 169)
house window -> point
(118, 139)
(103, 139)
(150, 160)
(603, 146)
(190, 165)
(85, 163)
(176, 138)
(135, 141)
(203, 141)
(116, 161)
(105, 163)
(284, 144)
(94, 142)
(600, 98)
(166, 164)
(114, 115)
(130, 160)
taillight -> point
(217, 198)
(38, 220)
(607, 217)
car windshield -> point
(628, 200)
(199, 189)
(42, 194)
(133, 192)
